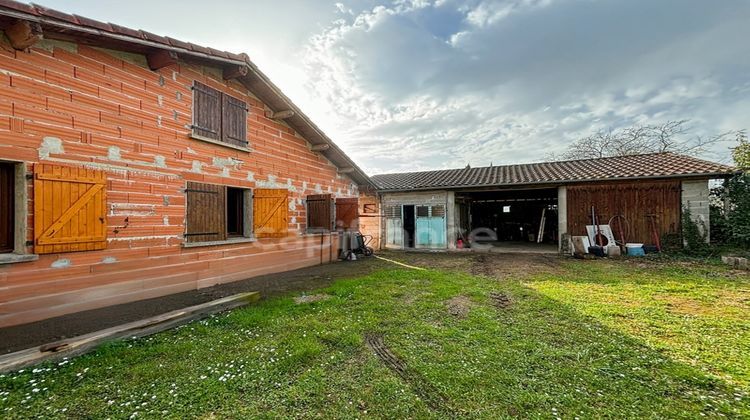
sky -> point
(407, 85)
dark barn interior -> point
(514, 216)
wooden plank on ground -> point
(84, 343)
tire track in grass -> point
(432, 396)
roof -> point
(64, 26)
(653, 165)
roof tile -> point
(94, 23)
(620, 167)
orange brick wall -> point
(77, 105)
(370, 221)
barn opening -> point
(511, 220)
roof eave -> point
(712, 175)
(303, 123)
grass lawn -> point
(582, 339)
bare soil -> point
(458, 306)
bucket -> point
(635, 250)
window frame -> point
(20, 217)
(247, 221)
(223, 100)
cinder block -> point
(742, 263)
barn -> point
(134, 165)
(538, 207)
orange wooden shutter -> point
(270, 213)
(70, 209)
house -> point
(539, 205)
(134, 165)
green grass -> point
(590, 340)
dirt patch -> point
(500, 300)
(299, 300)
(458, 306)
(426, 391)
(499, 266)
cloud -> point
(421, 84)
(514, 80)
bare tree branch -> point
(670, 136)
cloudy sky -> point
(406, 85)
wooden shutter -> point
(319, 208)
(347, 213)
(7, 204)
(70, 209)
(205, 219)
(207, 104)
(234, 121)
(270, 213)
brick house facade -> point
(116, 188)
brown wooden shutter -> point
(206, 212)
(70, 209)
(319, 208)
(234, 121)
(347, 214)
(270, 213)
(207, 104)
(7, 210)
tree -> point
(733, 200)
(672, 136)
(741, 153)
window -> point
(506, 209)
(216, 213)
(347, 214)
(235, 212)
(319, 212)
(393, 212)
(218, 117)
(7, 207)
(423, 211)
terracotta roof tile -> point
(43, 11)
(21, 7)
(94, 23)
(652, 165)
(153, 37)
(125, 31)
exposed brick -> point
(105, 110)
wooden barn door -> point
(270, 213)
(347, 214)
(206, 214)
(70, 209)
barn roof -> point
(63, 26)
(645, 166)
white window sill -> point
(219, 143)
(230, 241)
(11, 258)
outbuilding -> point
(539, 206)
